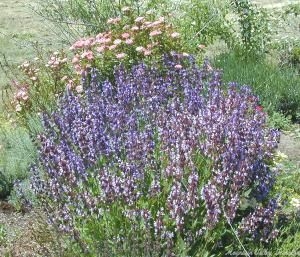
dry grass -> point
(20, 29)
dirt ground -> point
(27, 234)
(291, 147)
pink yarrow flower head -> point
(125, 35)
(77, 68)
(75, 59)
(22, 94)
(114, 20)
(120, 55)
(112, 47)
(135, 28)
(83, 43)
(140, 49)
(107, 40)
(77, 44)
(161, 19)
(157, 23)
(117, 41)
(139, 19)
(100, 35)
(129, 41)
(25, 64)
(18, 108)
(101, 40)
(70, 84)
(155, 33)
(126, 9)
(64, 78)
(175, 35)
(89, 55)
(79, 89)
(100, 49)
(147, 52)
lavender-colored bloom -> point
(260, 223)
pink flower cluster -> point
(141, 38)
(41, 73)
(57, 60)
(21, 95)
(29, 70)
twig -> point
(239, 241)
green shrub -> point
(288, 52)
(17, 153)
(287, 188)
(293, 9)
(201, 23)
(279, 121)
(254, 33)
(3, 234)
(75, 18)
(295, 56)
(277, 88)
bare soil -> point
(28, 234)
(290, 145)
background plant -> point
(39, 84)
(277, 88)
(279, 120)
(203, 23)
(128, 40)
(17, 152)
(2, 234)
(75, 18)
(254, 32)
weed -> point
(2, 234)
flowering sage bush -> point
(157, 161)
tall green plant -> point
(16, 153)
(76, 18)
(204, 22)
(254, 31)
